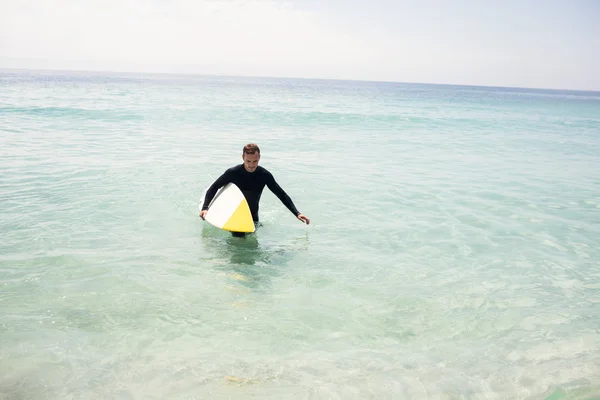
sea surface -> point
(453, 250)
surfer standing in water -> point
(251, 179)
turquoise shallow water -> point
(453, 251)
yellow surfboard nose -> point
(239, 221)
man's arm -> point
(282, 195)
(221, 181)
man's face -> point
(250, 161)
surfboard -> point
(229, 210)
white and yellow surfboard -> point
(229, 210)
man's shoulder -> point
(262, 170)
(235, 168)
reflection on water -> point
(252, 261)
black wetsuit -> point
(251, 184)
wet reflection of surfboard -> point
(229, 210)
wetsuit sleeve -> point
(281, 194)
(212, 190)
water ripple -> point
(452, 250)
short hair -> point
(251, 148)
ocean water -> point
(453, 250)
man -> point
(251, 179)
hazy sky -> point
(528, 43)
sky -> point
(527, 43)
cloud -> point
(183, 35)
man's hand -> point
(304, 219)
(203, 213)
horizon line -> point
(103, 71)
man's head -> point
(251, 156)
